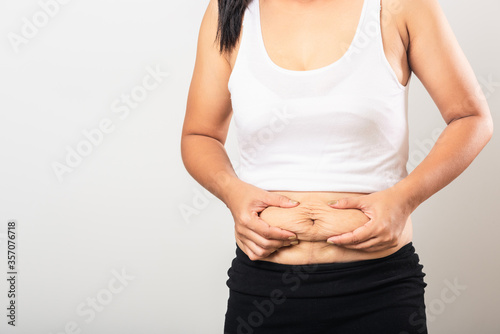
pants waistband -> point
(406, 250)
(260, 278)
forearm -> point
(456, 148)
(206, 160)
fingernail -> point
(332, 202)
(294, 242)
(293, 202)
(330, 242)
(293, 237)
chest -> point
(303, 37)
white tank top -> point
(342, 127)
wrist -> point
(407, 192)
(229, 186)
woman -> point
(322, 199)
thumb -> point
(281, 201)
(345, 203)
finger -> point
(378, 243)
(251, 254)
(259, 226)
(280, 201)
(359, 235)
(346, 203)
(257, 252)
(268, 243)
(249, 246)
(371, 245)
(244, 246)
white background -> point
(119, 208)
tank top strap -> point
(368, 35)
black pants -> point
(378, 296)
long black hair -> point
(229, 24)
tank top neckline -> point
(263, 51)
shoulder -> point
(209, 23)
(209, 28)
(417, 14)
(411, 16)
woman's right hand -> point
(254, 236)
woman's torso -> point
(287, 31)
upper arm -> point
(208, 109)
(437, 59)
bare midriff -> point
(314, 221)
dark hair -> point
(229, 24)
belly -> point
(314, 221)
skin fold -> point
(314, 221)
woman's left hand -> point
(388, 211)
